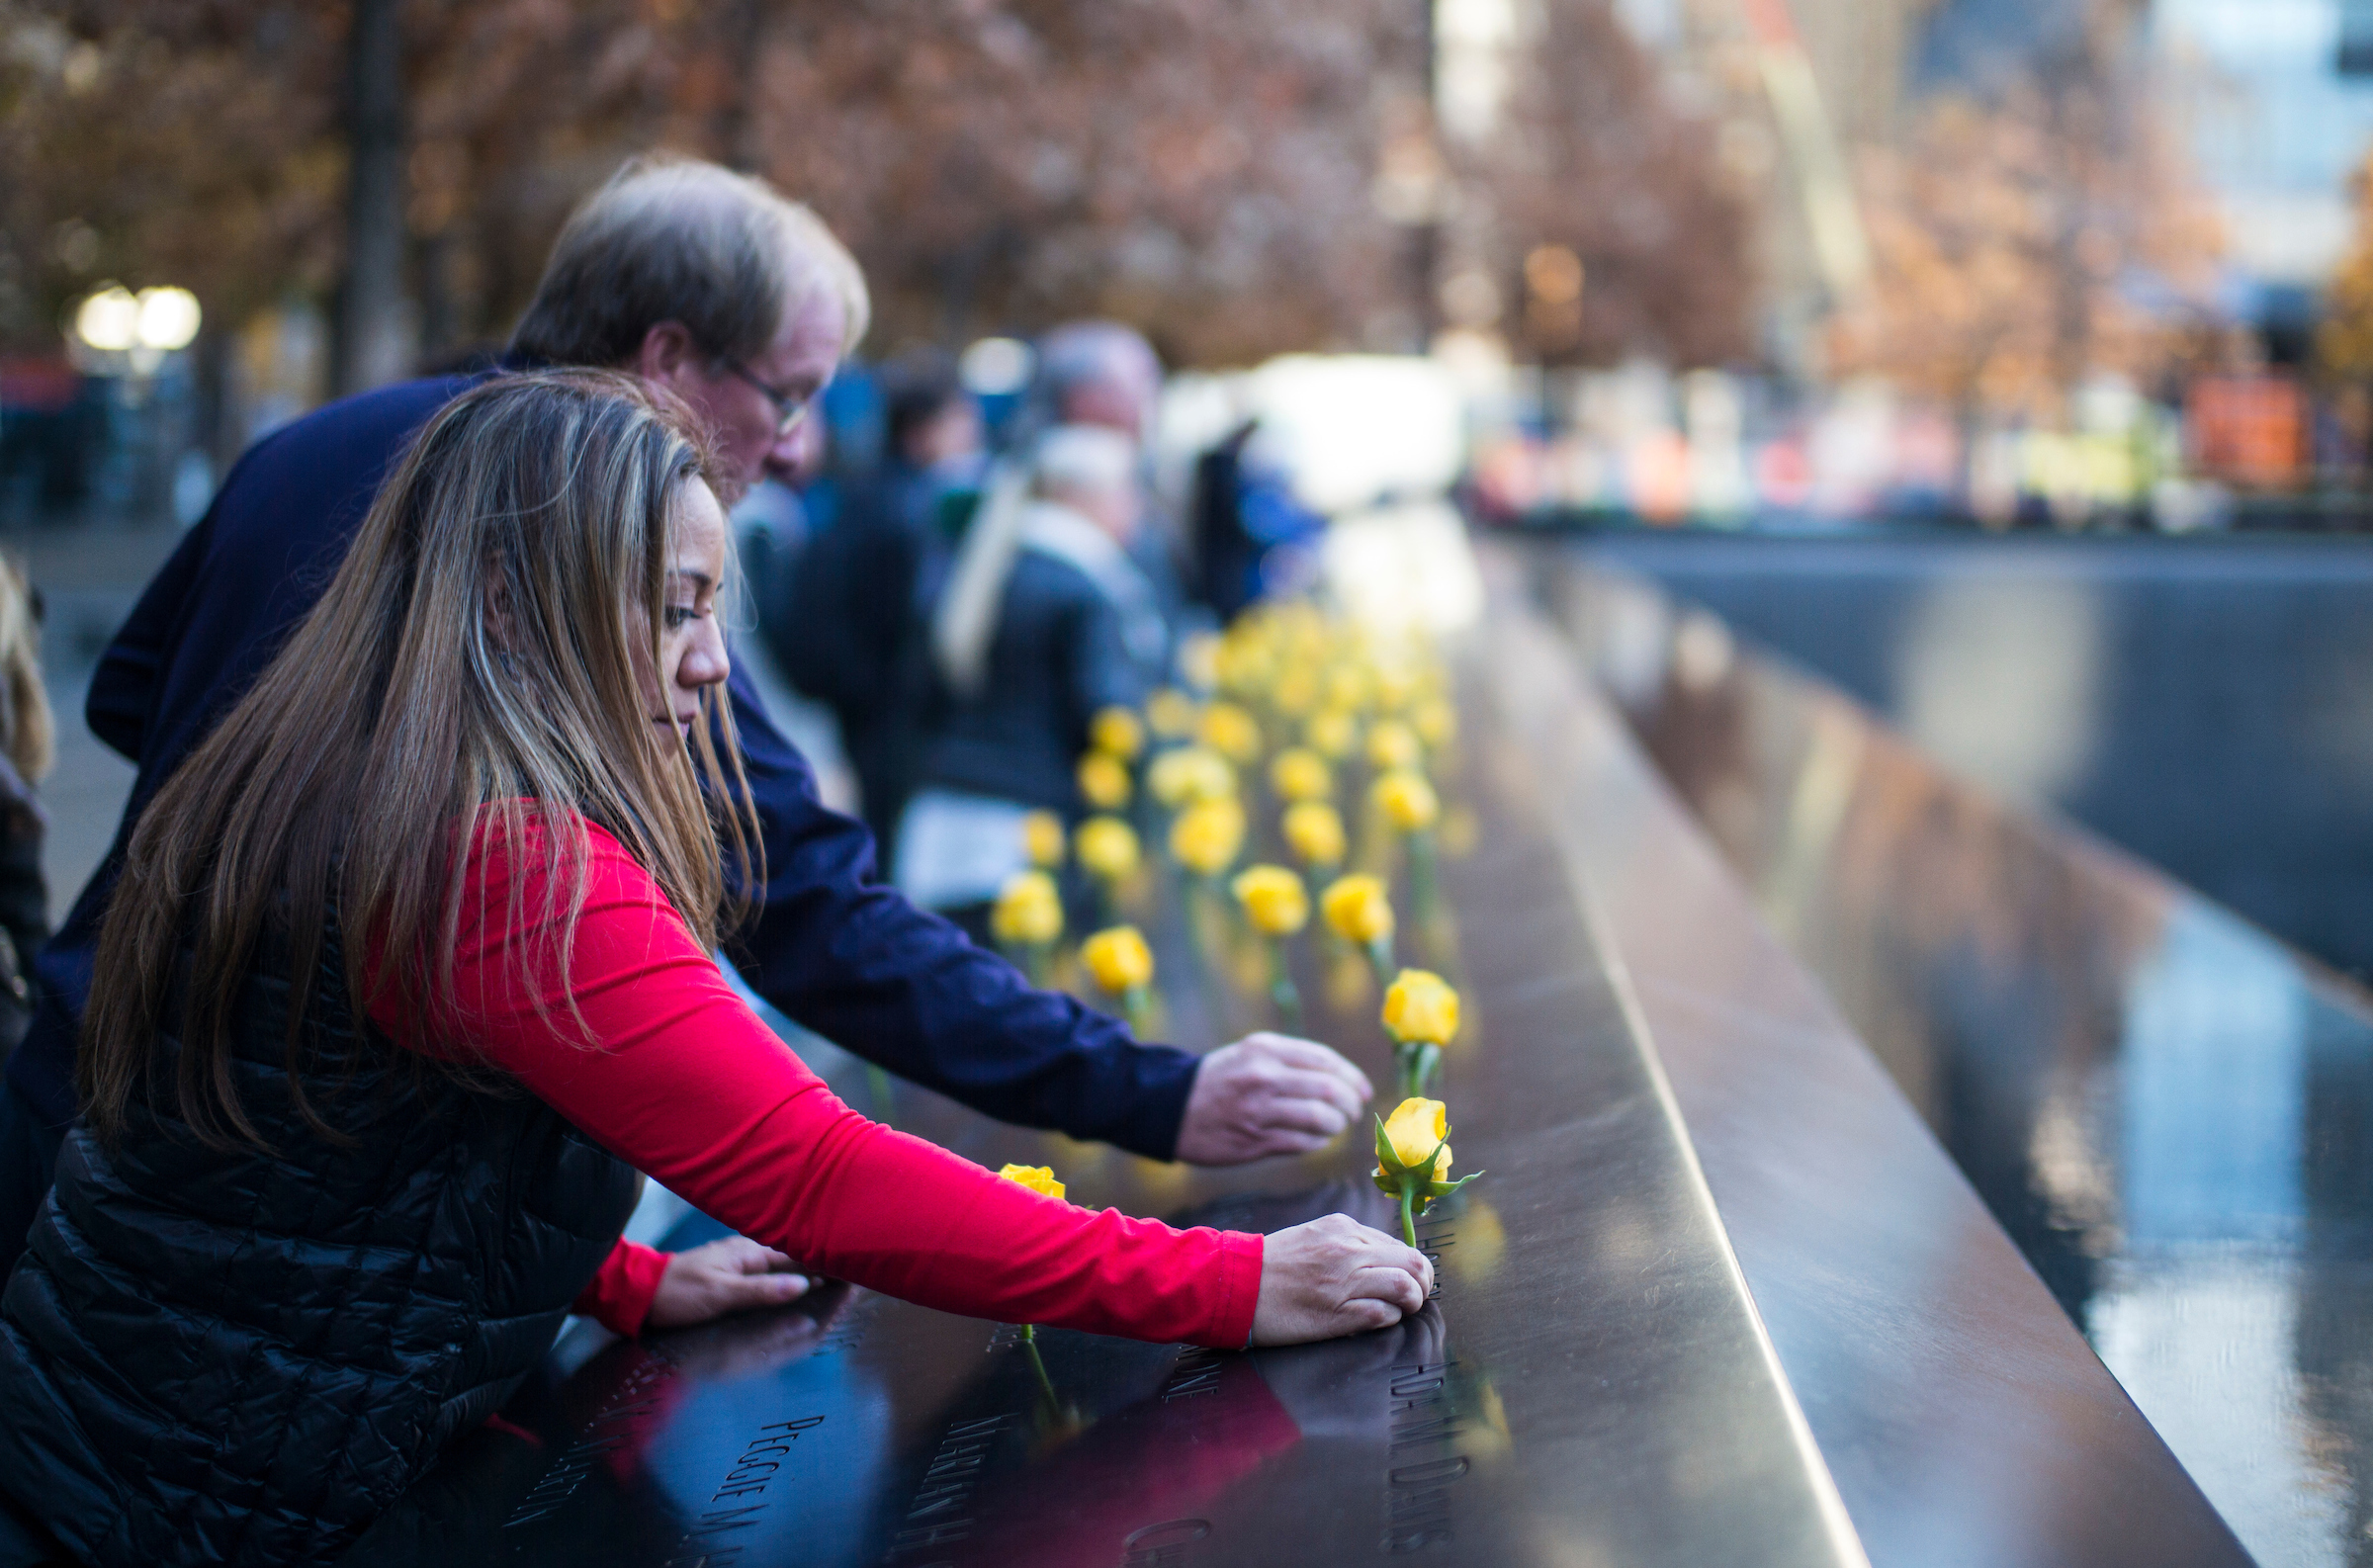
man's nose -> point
(794, 452)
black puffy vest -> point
(244, 1358)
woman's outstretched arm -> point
(683, 1080)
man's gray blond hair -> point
(677, 240)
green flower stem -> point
(1137, 1006)
(1282, 988)
(1380, 959)
(1417, 1061)
(1408, 1217)
(1029, 1347)
(1421, 874)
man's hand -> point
(1267, 1095)
(735, 1275)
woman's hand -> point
(1333, 1276)
(735, 1275)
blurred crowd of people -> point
(966, 593)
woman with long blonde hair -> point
(409, 971)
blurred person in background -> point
(27, 746)
(1103, 373)
(711, 286)
(1250, 537)
(849, 636)
(1074, 626)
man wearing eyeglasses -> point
(714, 286)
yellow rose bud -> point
(1207, 834)
(1104, 781)
(1172, 714)
(1243, 666)
(1028, 913)
(1188, 773)
(1118, 959)
(1407, 801)
(1348, 687)
(1037, 1177)
(1314, 830)
(1420, 1006)
(1414, 1129)
(1106, 847)
(1231, 732)
(1392, 745)
(1357, 910)
(1300, 775)
(1295, 692)
(1272, 900)
(1332, 732)
(1436, 723)
(1042, 837)
(1116, 730)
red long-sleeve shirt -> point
(683, 1081)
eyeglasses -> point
(788, 407)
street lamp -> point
(144, 328)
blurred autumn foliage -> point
(2345, 342)
(1663, 238)
(2025, 241)
(1203, 168)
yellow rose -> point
(1104, 781)
(1392, 745)
(1118, 959)
(1272, 900)
(1420, 1006)
(1332, 732)
(1296, 690)
(1037, 1177)
(1042, 837)
(1028, 913)
(1348, 687)
(1207, 834)
(1394, 688)
(1436, 723)
(1172, 714)
(1243, 665)
(1106, 847)
(1300, 775)
(1407, 801)
(1188, 773)
(1231, 732)
(1413, 1130)
(1357, 910)
(1116, 730)
(1314, 830)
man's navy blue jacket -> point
(847, 958)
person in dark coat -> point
(712, 285)
(849, 634)
(1074, 628)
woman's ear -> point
(501, 627)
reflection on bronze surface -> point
(2170, 1114)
